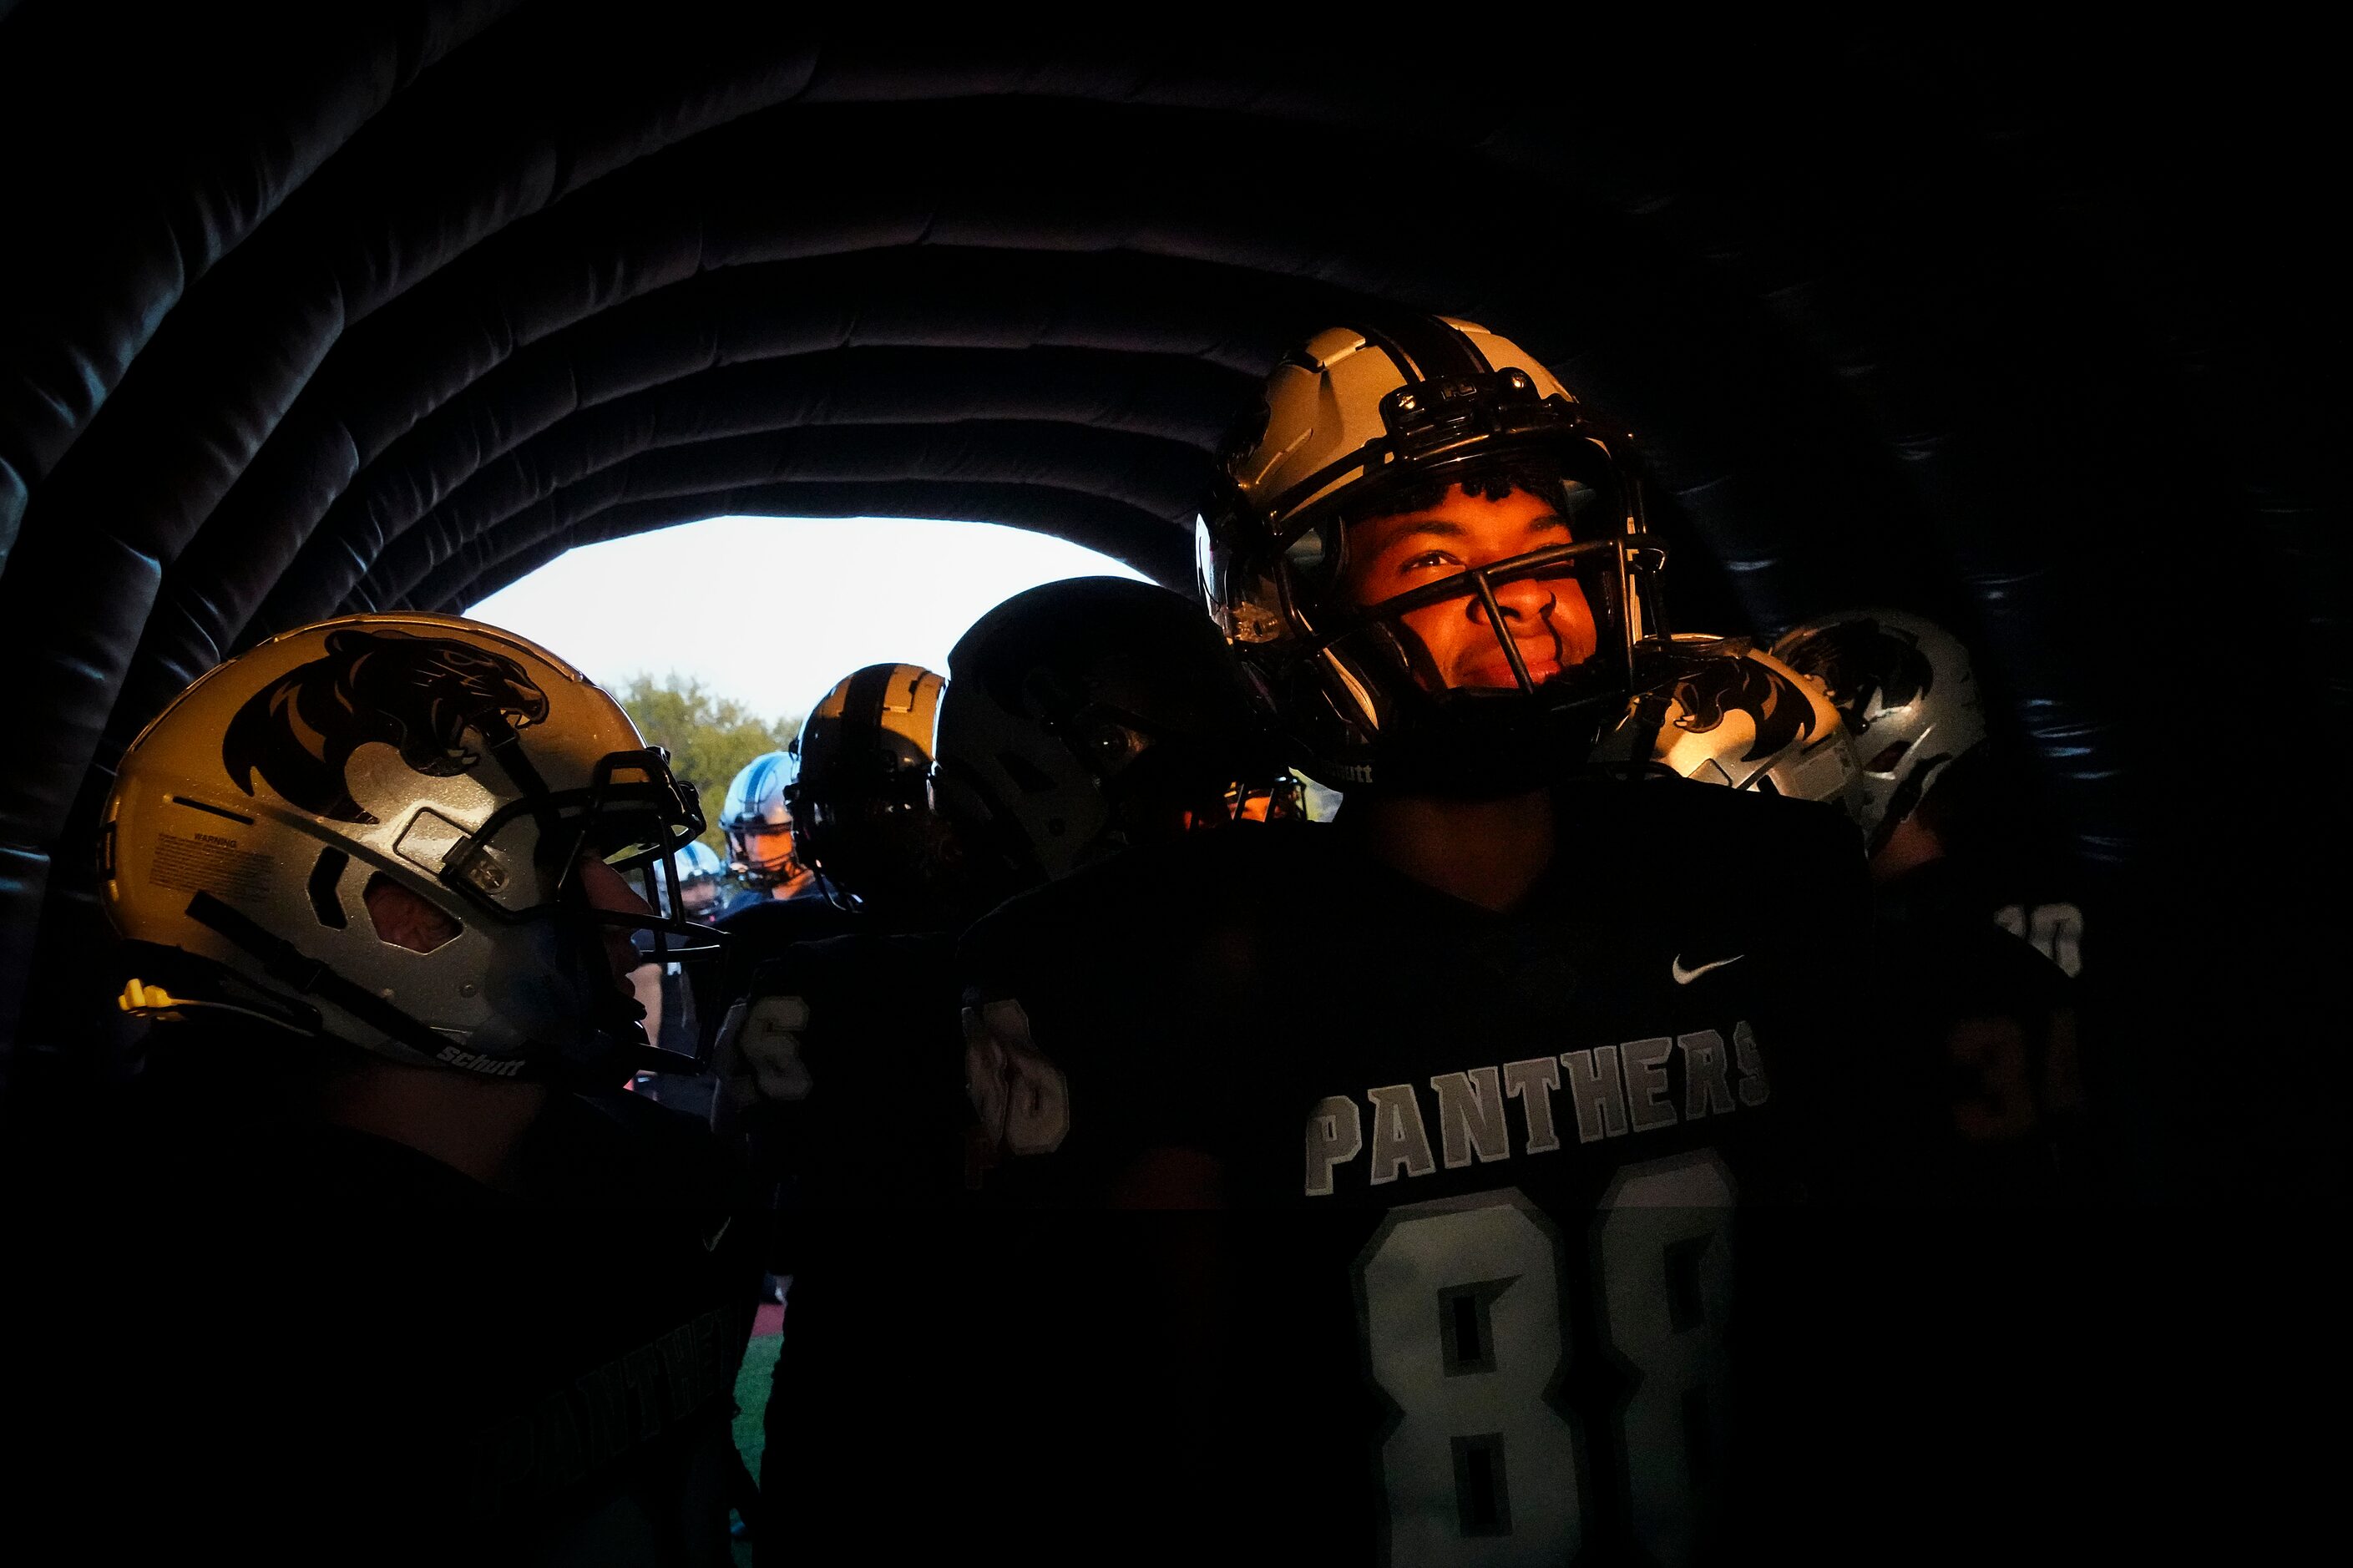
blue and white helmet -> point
(699, 869)
(699, 862)
(756, 804)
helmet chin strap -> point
(1483, 763)
(1637, 736)
(307, 977)
(1906, 801)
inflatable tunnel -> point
(386, 307)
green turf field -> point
(751, 1400)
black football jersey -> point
(757, 933)
(877, 1105)
(1984, 1023)
(866, 1160)
(1474, 1297)
(375, 1345)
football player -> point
(1980, 978)
(779, 902)
(758, 822)
(1092, 714)
(1081, 717)
(700, 873)
(856, 788)
(1475, 1076)
(375, 872)
(852, 948)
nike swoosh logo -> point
(1685, 976)
(710, 1244)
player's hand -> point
(1021, 1098)
(2055, 930)
(772, 1047)
(759, 1056)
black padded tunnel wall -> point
(387, 307)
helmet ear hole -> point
(404, 919)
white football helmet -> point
(755, 808)
(1908, 694)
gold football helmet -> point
(859, 786)
(255, 823)
(1380, 418)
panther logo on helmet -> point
(419, 694)
(1868, 668)
(1776, 704)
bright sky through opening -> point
(773, 611)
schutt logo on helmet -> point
(419, 694)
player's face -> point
(1549, 618)
(794, 875)
(699, 896)
(770, 850)
(609, 890)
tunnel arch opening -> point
(395, 312)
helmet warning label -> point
(210, 863)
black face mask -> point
(1558, 663)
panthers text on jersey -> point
(1472, 1297)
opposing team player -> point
(1979, 977)
(758, 822)
(700, 873)
(780, 901)
(374, 872)
(1476, 1074)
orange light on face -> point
(1549, 620)
(769, 848)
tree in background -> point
(709, 738)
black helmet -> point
(1083, 714)
(858, 786)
